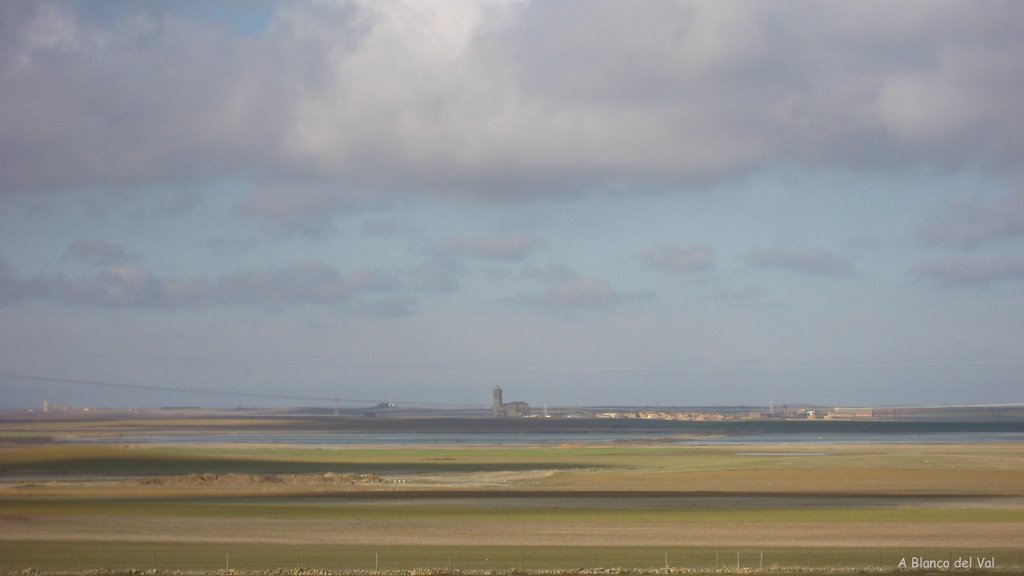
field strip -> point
(439, 530)
(155, 557)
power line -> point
(181, 389)
(770, 367)
(550, 368)
(293, 397)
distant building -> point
(510, 410)
(843, 413)
(516, 409)
(496, 407)
(47, 408)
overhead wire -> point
(225, 393)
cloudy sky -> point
(591, 202)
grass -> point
(106, 459)
(89, 556)
(149, 460)
(562, 509)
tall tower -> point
(496, 407)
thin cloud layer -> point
(974, 221)
(971, 272)
(566, 291)
(679, 258)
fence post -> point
(760, 565)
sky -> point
(584, 202)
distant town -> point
(500, 409)
(509, 410)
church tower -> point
(496, 407)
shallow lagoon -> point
(556, 438)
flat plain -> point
(74, 496)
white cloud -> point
(506, 100)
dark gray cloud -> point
(285, 210)
(970, 272)
(738, 296)
(232, 247)
(134, 286)
(390, 307)
(12, 288)
(679, 258)
(507, 100)
(550, 273)
(132, 102)
(812, 262)
(98, 253)
(303, 282)
(178, 203)
(436, 275)
(445, 261)
(565, 291)
(121, 286)
(385, 227)
(494, 248)
(975, 220)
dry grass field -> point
(492, 507)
